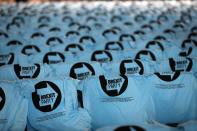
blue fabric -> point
(188, 126)
(53, 105)
(177, 64)
(7, 58)
(79, 70)
(121, 100)
(19, 72)
(101, 56)
(129, 67)
(13, 107)
(174, 96)
(153, 126)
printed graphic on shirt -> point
(6, 59)
(129, 128)
(27, 72)
(55, 29)
(37, 35)
(128, 39)
(145, 54)
(181, 65)
(114, 46)
(30, 50)
(101, 56)
(189, 43)
(114, 87)
(87, 40)
(81, 71)
(169, 77)
(186, 52)
(74, 48)
(53, 58)
(47, 96)
(155, 45)
(131, 67)
(2, 98)
(54, 41)
(3, 35)
(14, 42)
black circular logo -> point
(37, 35)
(54, 41)
(101, 56)
(47, 96)
(14, 42)
(30, 50)
(114, 87)
(165, 76)
(27, 72)
(124, 69)
(129, 128)
(81, 70)
(3, 34)
(189, 43)
(53, 58)
(74, 48)
(114, 45)
(6, 59)
(155, 43)
(145, 53)
(187, 64)
(2, 98)
(82, 39)
(186, 52)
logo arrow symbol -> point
(101, 56)
(82, 69)
(54, 58)
(47, 95)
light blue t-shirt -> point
(101, 56)
(188, 126)
(79, 70)
(184, 64)
(174, 96)
(7, 59)
(26, 71)
(147, 126)
(129, 67)
(13, 107)
(116, 100)
(53, 105)
(50, 58)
